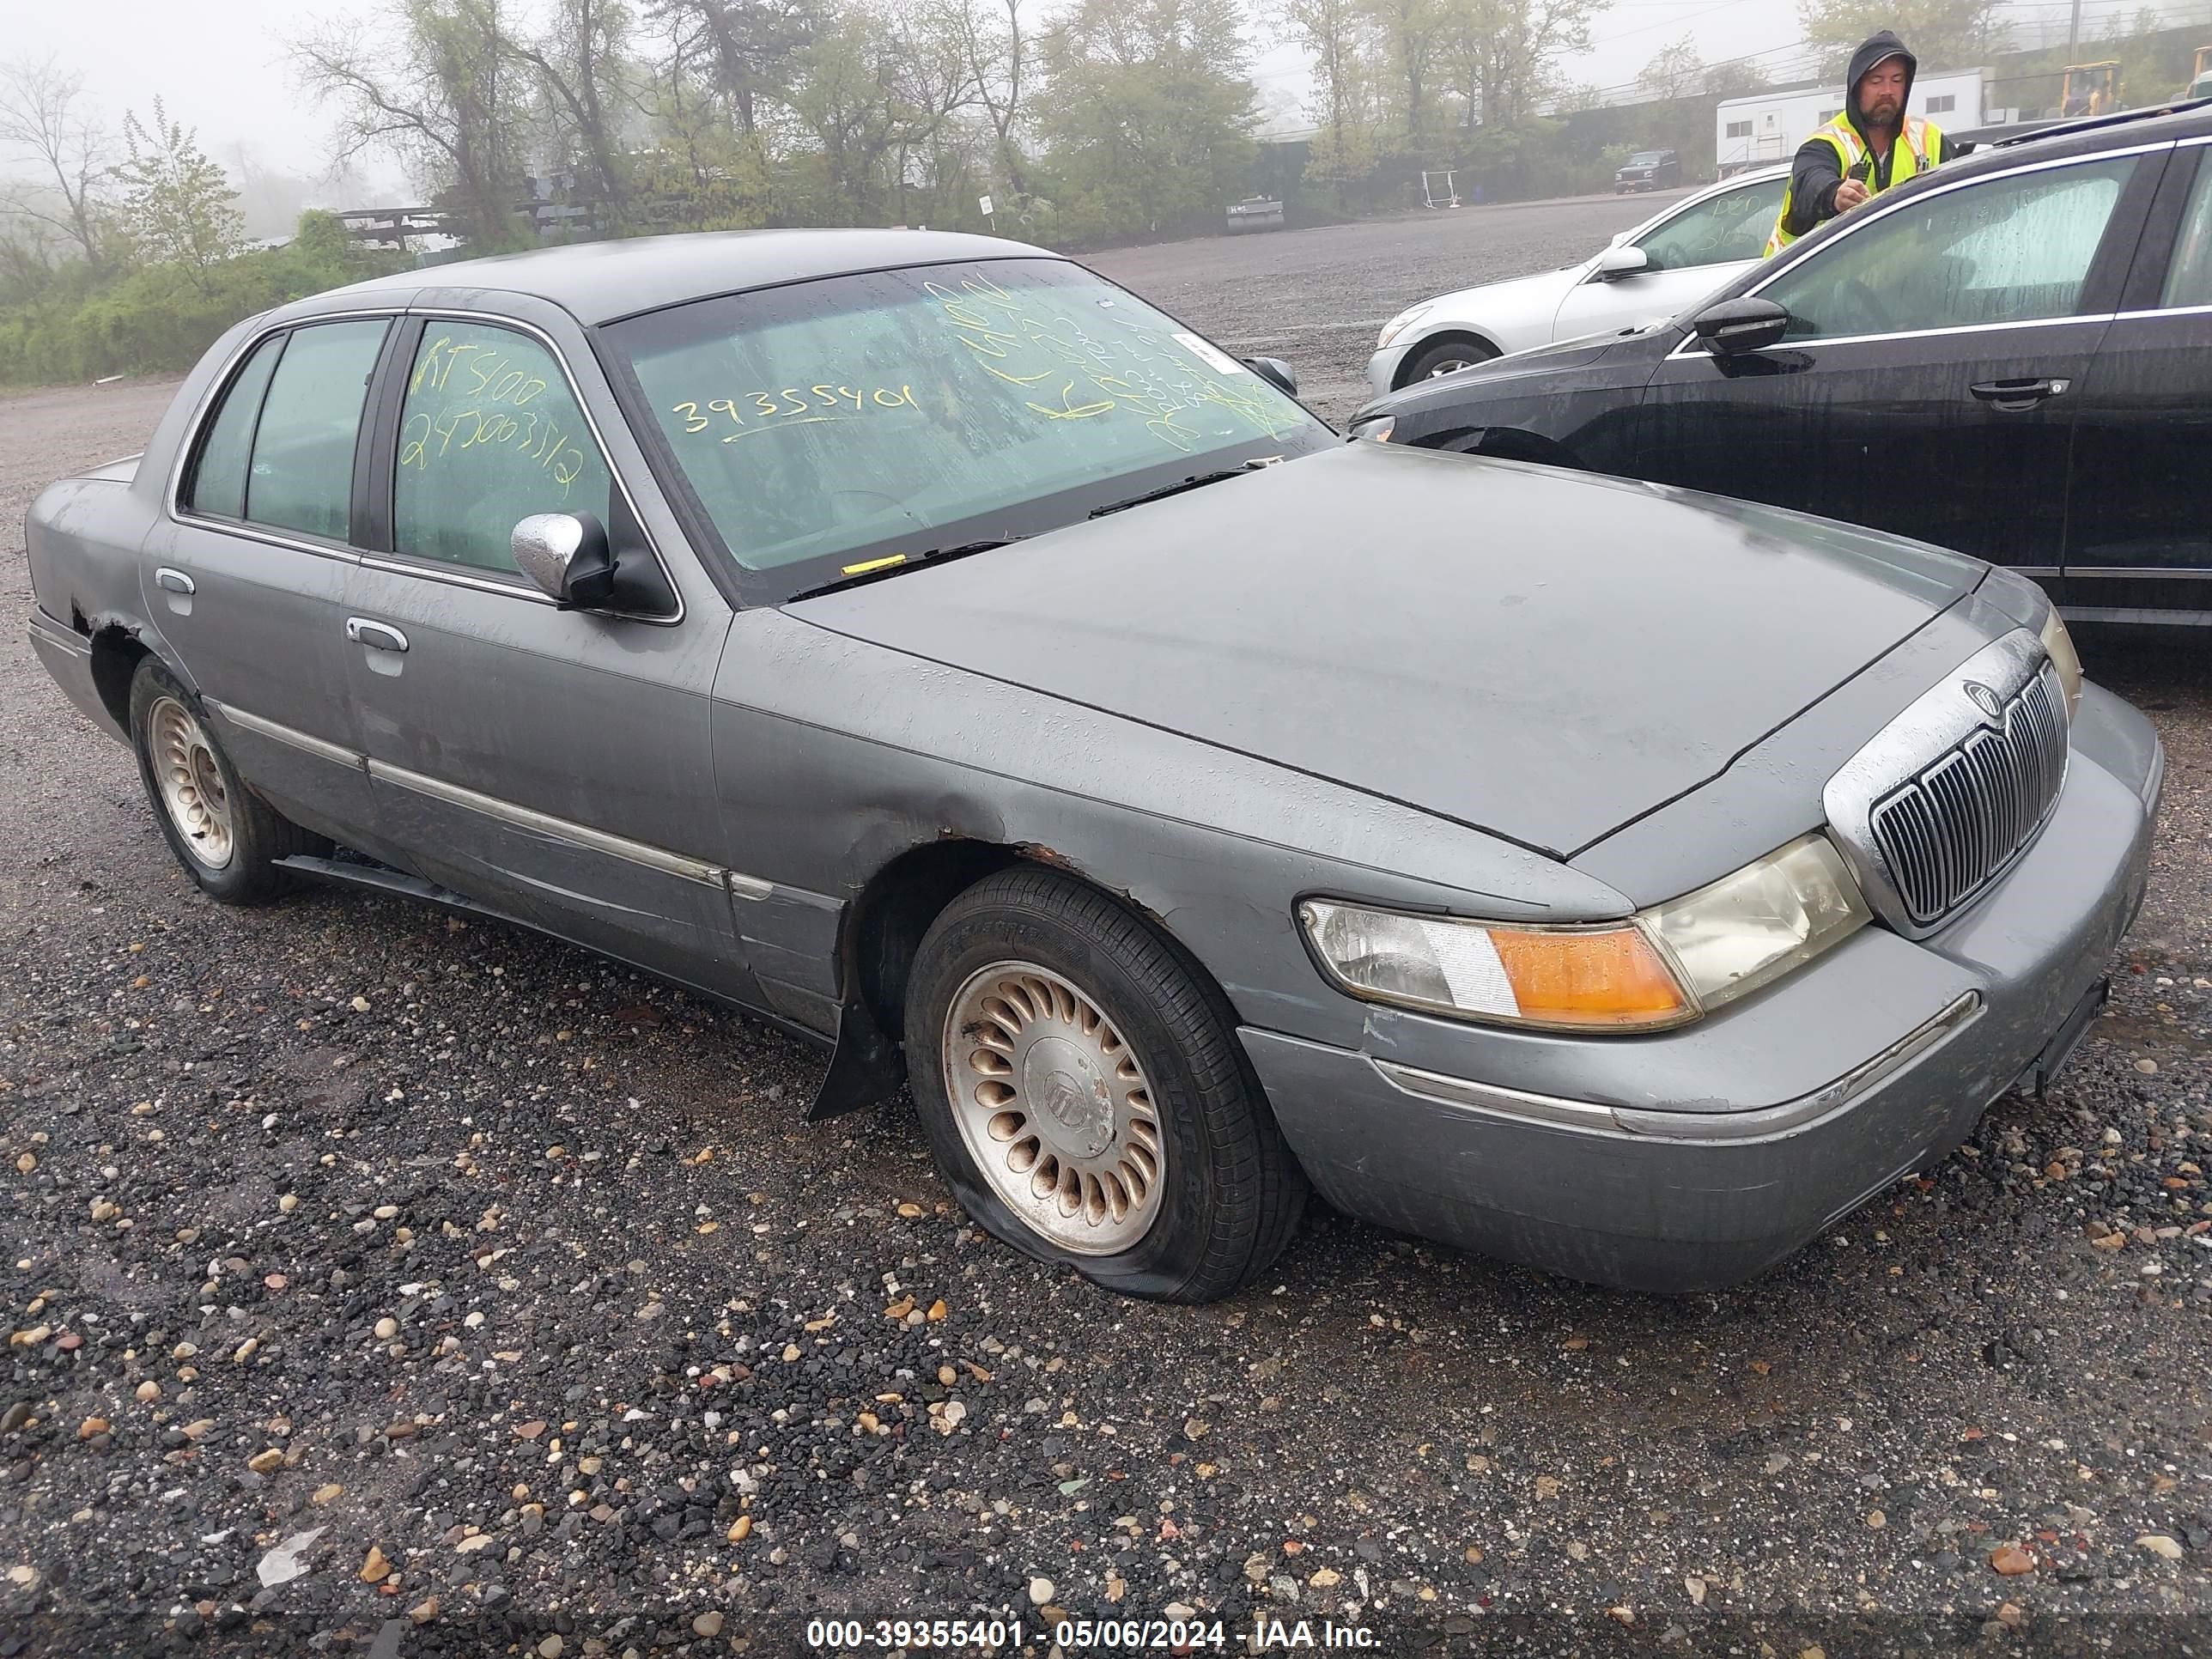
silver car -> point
(1662, 266)
(923, 644)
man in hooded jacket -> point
(1870, 147)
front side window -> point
(489, 434)
(2188, 275)
(1734, 225)
(2013, 250)
(217, 484)
(303, 444)
(832, 423)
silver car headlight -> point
(2068, 661)
(1404, 321)
(1664, 966)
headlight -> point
(1377, 431)
(2064, 657)
(1405, 320)
(1664, 966)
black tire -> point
(1232, 1191)
(259, 834)
(1444, 356)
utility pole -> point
(2073, 33)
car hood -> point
(1540, 655)
(1469, 304)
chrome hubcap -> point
(1451, 367)
(191, 782)
(1054, 1107)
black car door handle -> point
(2012, 396)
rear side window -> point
(489, 434)
(302, 473)
(217, 487)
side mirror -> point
(1738, 326)
(566, 554)
(1277, 373)
(1616, 263)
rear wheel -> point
(226, 836)
(1446, 355)
(1084, 1092)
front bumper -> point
(1382, 366)
(1675, 1163)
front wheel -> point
(1084, 1095)
(1444, 357)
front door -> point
(555, 764)
(1935, 361)
(2138, 532)
(247, 581)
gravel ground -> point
(505, 1295)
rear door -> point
(2139, 522)
(246, 577)
(1933, 364)
(1706, 244)
(553, 763)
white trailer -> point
(1768, 126)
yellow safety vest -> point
(1916, 149)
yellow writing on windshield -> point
(759, 411)
(1102, 363)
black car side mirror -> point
(1731, 327)
(1277, 373)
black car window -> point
(2188, 277)
(2012, 250)
(489, 434)
(303, 476)
(217, 484)
(1734, 225)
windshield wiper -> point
(1177, 487)
(907, 562)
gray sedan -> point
(937, 651)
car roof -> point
(600, 282)
(2160, 123)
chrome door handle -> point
(376, 636)
(2013, 396)
(173, 581)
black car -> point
(1648, 169)
(2011, 356)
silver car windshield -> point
(831, 424)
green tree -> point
(44, 115)
(1148, 127)
(1676, 72)
(429, 81)
(1942, 33)
(178, 206)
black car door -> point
(1935, 352)
(2138, 534)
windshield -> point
(841, 423)
(1646, 158)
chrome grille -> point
(1948, 831)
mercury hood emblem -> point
(1984, 698)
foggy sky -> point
(219, 63)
